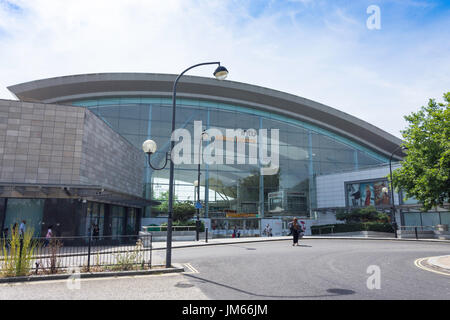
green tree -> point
(182, 210)
(425, 171)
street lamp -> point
(150, 147)
(197, 223)
(394, 223)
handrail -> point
(164, 228)
(421, 228)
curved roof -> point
(64, 90)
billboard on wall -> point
(368, 193)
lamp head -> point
(149, 146)
(205, 135)
(221, 73)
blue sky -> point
(317, 49)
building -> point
(314, 140)
(361, 188)
(62, 166)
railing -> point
(419, 228)
(164, 228)
(416, 229)
(59, 254)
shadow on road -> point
(335, 292)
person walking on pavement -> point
(296, 229)
(48, 236)
(22, 228)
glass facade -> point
(117, 218)
(30, 210)
(234, 189)
(95, 216)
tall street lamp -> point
(149, 147)
(394, 223)
(197, 182)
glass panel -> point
(430, 218)
(118, 215)
(412, 219)
(305, 151)
(131, 221)
(445, 218)
(30, 210)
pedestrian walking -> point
(48, 236)
(269, 230)
(296, 230)
(96, 231)
(22, 228)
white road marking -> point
(420, 266)
(191, 268)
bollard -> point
(415, 230)
(89, 252)
(206, 235)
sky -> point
(326, 51)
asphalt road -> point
(318, 269)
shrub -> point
(18, 253)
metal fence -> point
(59, 254)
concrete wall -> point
(40, 143)
(109, 160)
(56, 144)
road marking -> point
(191, 268)
(420, 266)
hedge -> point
(353, 227)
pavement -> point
(440, 264)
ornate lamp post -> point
(149, 147)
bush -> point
(17, 253)
(357, 215)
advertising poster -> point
(354, 195)
(373, 193)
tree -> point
(183, 211)
(425, 171)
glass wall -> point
(131, 221)
(117, 221)
(233, 188)
(95, 217)
(30, 210)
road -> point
(318, 269)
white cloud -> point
(331, 58)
